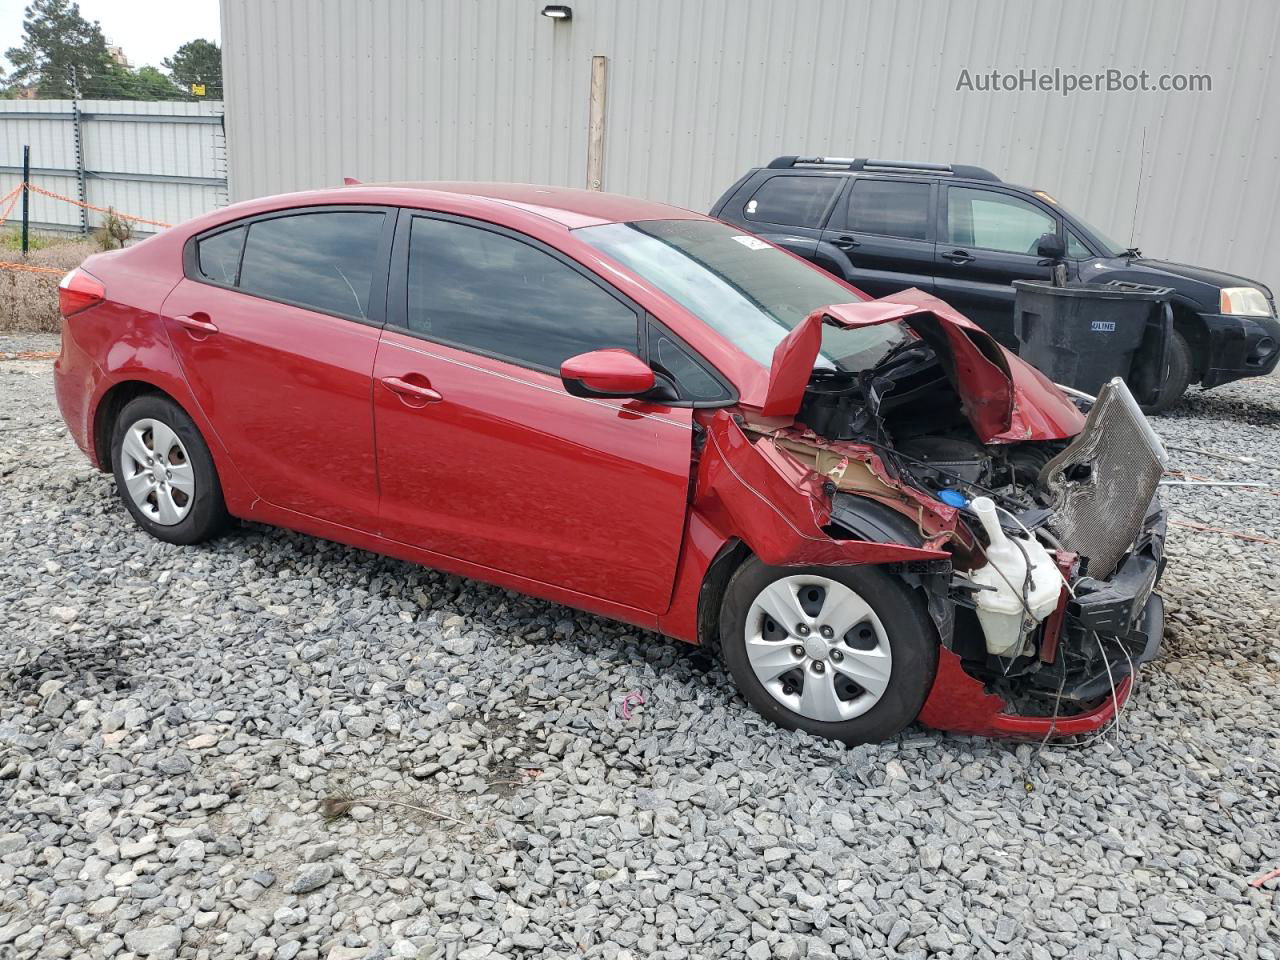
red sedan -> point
(872, 510)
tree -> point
(148, 83)
(62, 52)
(199, 61)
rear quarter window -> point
(791, 200)
(219, 256)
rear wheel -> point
(844, 653)
(1177, 375)
(165, 473)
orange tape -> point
(31, 268)
(90, 206)
(12, 196)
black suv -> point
(964, 235)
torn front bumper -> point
(1239, 347)
(1102, 635)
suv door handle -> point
(845, 243)
(412, 391)
(197, 325)
(957, 256)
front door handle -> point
(958, 256)
(198, 324)
(412, 391)
(845, 243)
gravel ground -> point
(176, 723)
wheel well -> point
(109, 407)
(730, 558)
(1188, 323)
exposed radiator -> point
(1102, 484)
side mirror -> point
(1050, 247)
(612, 372)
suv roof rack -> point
(862, 163)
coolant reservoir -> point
(1013, 605)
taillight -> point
(78, 291)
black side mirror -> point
(1050, 248)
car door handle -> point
(845, 243)
(957, 256)
(413, 391)
(197, 325)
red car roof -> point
(565, 205)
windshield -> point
(748, 291)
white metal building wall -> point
(700, 90)
(164, 161)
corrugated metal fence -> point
(163, 161)
(700, 91)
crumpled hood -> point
(1004, 398)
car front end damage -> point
(1031, 531)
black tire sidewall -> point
(1179, 375)
(912, 638)
(208, 513)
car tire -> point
(164, 472)
(891, 645)
(1177, 376)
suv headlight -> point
(1244, 302)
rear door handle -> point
(845, 243)
(413, 391)
(957, 256)
(198, 325)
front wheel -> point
(846, 653)
(1177, 375)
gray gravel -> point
(176, 723)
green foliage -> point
(63, 54)
(114, 232)
(199, 61)
(148, 83)
(62, 51)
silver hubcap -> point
(818, 648)
(157, 472)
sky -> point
(148, 30)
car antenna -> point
(1133, 227)
(350, 182)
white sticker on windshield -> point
(751, 243)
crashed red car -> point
(873, 511)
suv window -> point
(995, 221)
(1076, 248)
(890, 208)
(496, 295)
(796, 201)
(322, 261)
(219, 256)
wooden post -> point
(595, 124)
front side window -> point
(323, 261)
(889, 208)
(496, 295)
(995, 221)
(795, 201)
(751, 293)
(1076, 249)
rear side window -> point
(220, 256)
(322, 261)
(889, 208)
(796, 201)
(499, 296)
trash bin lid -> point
(1093, 291)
